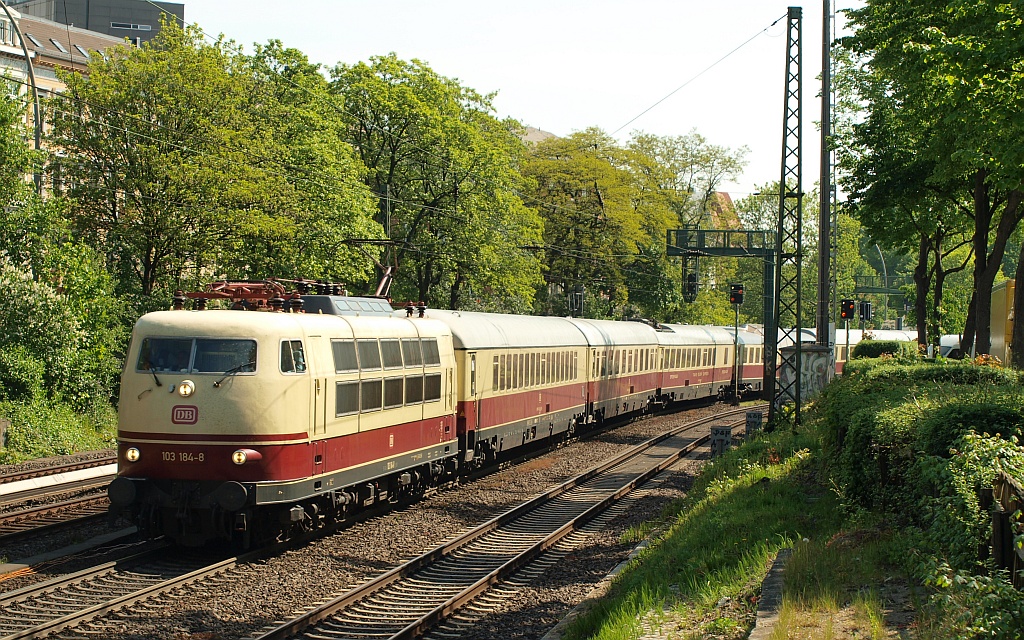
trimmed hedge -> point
(896, 433)
(875, 348)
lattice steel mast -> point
(789, 246)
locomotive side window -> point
(369, 355)
(393, 392)
(413, 389)
(344, 356)
(411, 351)
(293, 360)
(431, 356)
(346, 398)
(165, 354)
(391, 354)
(370, 394)
(432, 387)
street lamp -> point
(32, 83)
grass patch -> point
(744, 508)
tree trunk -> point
(453, 293)
(1017, 334)
(981, 304)
(983, 299)
(921, 285)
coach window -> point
(411, 351)
(515, 371)
(369, 355)
(494, 375)
(431, 356)
(391, 354)
(413, 389)
(293, 360)
(370, 394)
(432, 387)
(393, 392)
(346, 398)
(344, 356)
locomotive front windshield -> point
(197, 355)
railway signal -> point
(846, 309)
(736, 293)
(865, 310)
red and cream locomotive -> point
(238, 424)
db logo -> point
(184, 414)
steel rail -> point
(45, 518)
(49, 471)
(324, 612)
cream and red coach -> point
(226, 413)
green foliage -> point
(40, 427)
(875, 348)
(221, 163)
(16, 158)
(21, 375)
(918, 443)
(446, 174)
(969, 606)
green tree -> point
(948, 78)
(593, 231)
(445, 174)
(322, 208)
(182, 165)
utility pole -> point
(825, 183)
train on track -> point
(243, 425)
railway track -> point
(49, 471)
(410, 599)
(16, 525)
(50, 607)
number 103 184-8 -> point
(182, 456)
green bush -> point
(874, 348)
(41, 428)
(908, 441)
(21, 375)
(937, 431)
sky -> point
(564, 66)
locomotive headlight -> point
(132, 454)
(241, 456)
(186, 388)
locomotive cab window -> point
(198, 355)
(293, 359)
(165, 354)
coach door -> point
(474, 398)
(319, 382)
